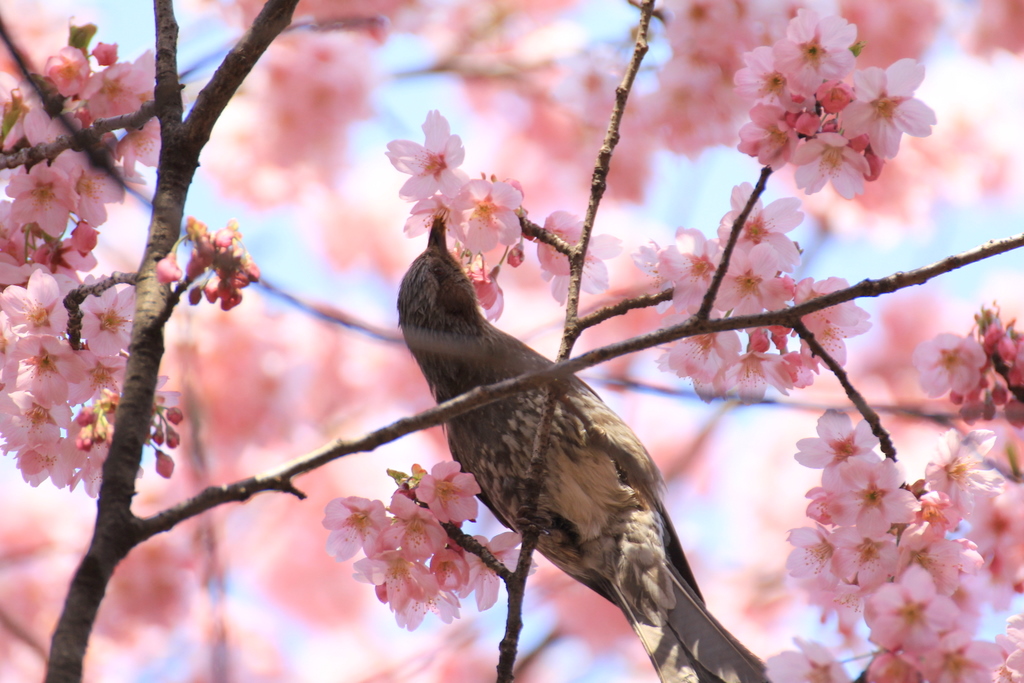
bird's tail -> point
(691, 646)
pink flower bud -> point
(834, 96)
(807, 124)
(174, 415)
(195, 295)
(84, 237)
(224, 238)
(105, 54)
(515, 257)
(167, 270)
(875, 165)
(164, 465)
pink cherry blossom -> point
(938, 513)
(946, 560)
(354, 523)
(94, 187)
(815, 50)
(101, 372)
(886, 108)
(754, 371)
(751, 285)
(433, 165)
(910, 613)
(482, 580)
(44, 196)
(105, 53)
(811, 556)
(689, 265)
(31, 424)
(959, 659)
(762, 82)
(44, 366)
(768, 136)
(813, 664)
(37, 308)
(139, 146)
(422, 215)
(829, 158)
(406, 585)
(765, 224)
(451, 569)
(838, 442)
(449, 492)
(488, 292)
(415, 530)
(484, 214)
(868, 495)
(868, 560)
(959, 471)
(120, 88)
(703, 357)
(68, 69)
(949, 362)
(831, 326)
(555, 266)
(106, 321)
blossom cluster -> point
(758, 279)
(48, 231)
(886, 550)
(982, 372)
(484, 214)
(410, 559)
(807, 113)
(220, 259)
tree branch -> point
(117, 530)
(279, 478)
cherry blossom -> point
(482, 579)
(414, 530)
(354, 523)
(750, 286)
(958, 469)
(106, 320)
(829, 158)
(120, 88)
(407, 586)
(432, 165)
(483, 214)
(886, 108)
(870, 561)
(812, 554)
(815, 50)
(555, 266)
(957, 658)
(689, 265)
(768, 136)
(765, 224)
(762, 82)
(813, 664)
(949, 362)
(909, 613)
(68, 69)
(448, 492)
(838, 442)
(37, 308)
(43, 196)
(868, 495)
(832, 325)
(488, 291)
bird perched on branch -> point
(603, 521)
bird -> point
(600, 511)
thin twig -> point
(79, 141)
(734, 234)
(598, 181)
(471, 545)
(885, 440)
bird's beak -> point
(437, 236)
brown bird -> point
(604, 522)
